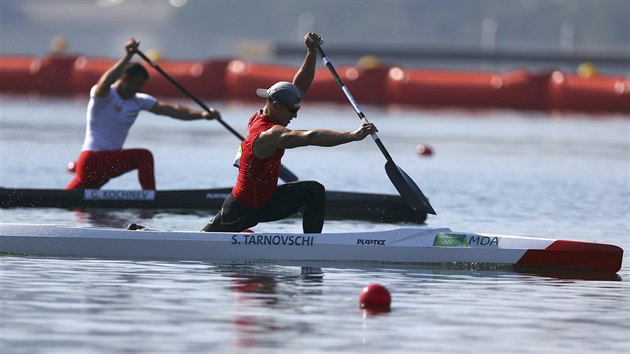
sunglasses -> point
(290, 109)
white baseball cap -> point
(283, 92)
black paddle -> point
(285, 174)
(407, 188)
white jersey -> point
(109, 119)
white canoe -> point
(413, 245)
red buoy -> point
(72, 167)
(424, 150)
(375, 297)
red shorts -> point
(95, 168)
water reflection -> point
(261, 280)
(279, 288)
(570, 274)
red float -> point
(242, 78)
(513, 90)
(53, 76)
(202, 79)
(17, 74)
(594, 94)
(380, 85)
(367, 85)
(375, 296)
(424, 150)
(86, 72)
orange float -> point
(203, 80)
(54, 74)
(367, 85)
(86, 72)
(589, 94)
(17, 74)
(380, 85)
(242, 78)
(47, 76)
(521, 90)
(215, 86)
(514, 89)
(440, 88)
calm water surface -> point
(500, 172)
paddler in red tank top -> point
(256, 197)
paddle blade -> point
(408, 189)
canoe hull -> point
(339, 205)
(415, 245)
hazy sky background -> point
(202, 29)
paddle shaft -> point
(185, 91)
(285, 174)
(354, 103)
(403, 183)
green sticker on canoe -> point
(444, 239)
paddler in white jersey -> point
(115, 102)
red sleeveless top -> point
(257, 178)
